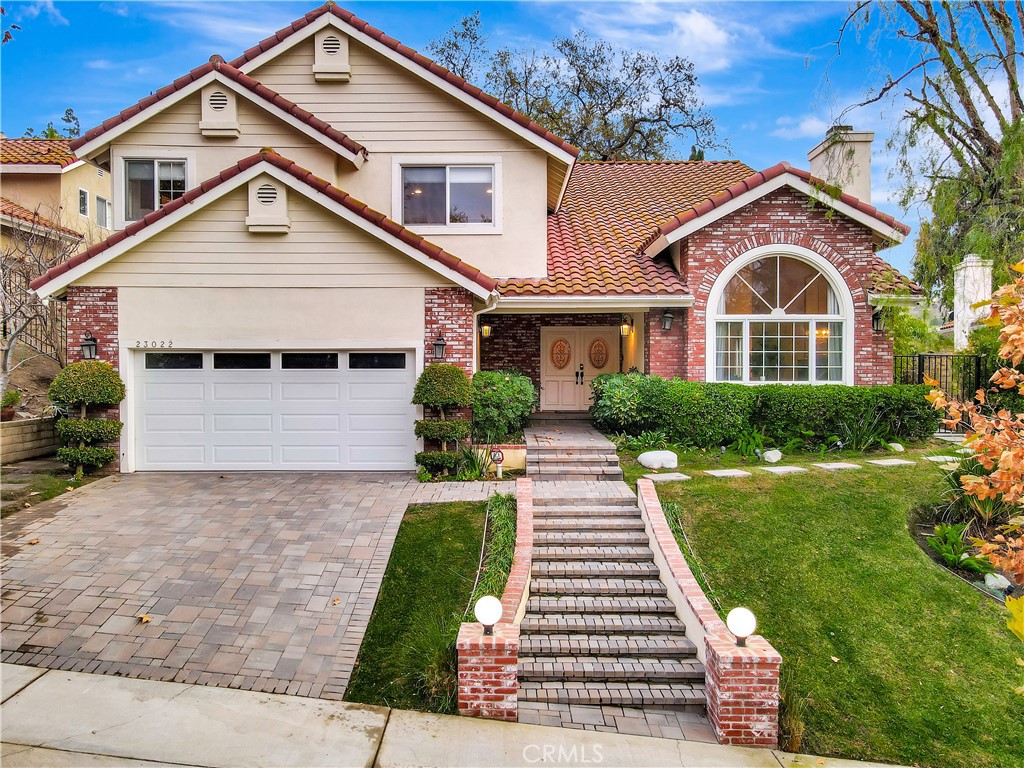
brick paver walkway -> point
(238, 572)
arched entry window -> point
(779, 319)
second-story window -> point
(150, 184)
(448, 195)
(104, 213)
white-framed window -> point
(780, 318)
(83, 202)
(150, 183)
(448, 195)
(104, 213)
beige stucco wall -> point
(94, 181)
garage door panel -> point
(384, 391)
(311, 422)
(176, 423)
(310, 454)
(237, 391)
(242, 453)
(243, 422)
(323, 391)
(362, 423)
(176, 456)
(174, 391)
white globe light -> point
(741, 622)
(487, 610)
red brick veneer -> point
(489, 665)
(742, 683)
(666, 352)
(93, 310)
(449, 312)
(786, 216)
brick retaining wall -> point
(27, 439)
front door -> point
(570, 359)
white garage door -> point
(275, 410)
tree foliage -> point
(959, 145)
(72, 129)
(611, 102)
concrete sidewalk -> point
(56, 718)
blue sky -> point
(762, 65)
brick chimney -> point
(843, 159)
(972, 283)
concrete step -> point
(634, 523)
(584, 509)
(690, 698)
(598, 586)
(572, 457)
(645, 646)
(607, 670)
(626, 625)
(574, 471)
(607, 553)
(595, 569)
(596, 604)
(589, 538)
(625, 500)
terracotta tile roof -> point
(378, 219)
(15, 211)
(608, 210)
(36, 152)
(216, 63)
(417, 58)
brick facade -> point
(93, 310)
(515, 339)
(666, 352)
(449, 312)
(786, 216)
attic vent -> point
(218, 101)
(331, 45)
(266, 194)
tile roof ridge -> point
(407, 236)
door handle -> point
(579, 375)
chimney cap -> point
(839, 129)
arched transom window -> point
(779, 319)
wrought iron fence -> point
(958, 375)
(49, 336)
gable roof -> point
(711, 208)
(37, 152)
(12, 211)
(609, 208)
(376, 223)
(246, 60)
(217, 69)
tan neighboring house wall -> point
(54, 194)
(98, 183)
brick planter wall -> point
(786, 216)
(515, 339)
(449, 312)
(742, 683)
(489, 665)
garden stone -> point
(667, 477)
(726, 473)
(890, 462)
(784, 470)
(832, 466)
(772, 457)
(997, 582)
(942, 459)
(658, 460)
(896, 448)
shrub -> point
(443, 386)
(86, 455)
(10, 399)
(949, 543)
(442, 431)
(89, 382)
(436, 462)
(88, 430)
(502, 404)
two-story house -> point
(302, 229)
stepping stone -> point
(942, 459)
(891, 462)
(783, 470)
(726, 473)
(832, 466)
(667, 477)
(950, 466)
(966, 451)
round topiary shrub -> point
(442, 431)
(88, 430)
(443, 386)
(89, 382)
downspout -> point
(490, 306)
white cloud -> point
(102, 64)
(803, 127)
(42, 8)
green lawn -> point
(422, 599)
(925, 666)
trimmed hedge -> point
(435, 462)
(442, 431)
(443, 386)
(86, 456)
(711, 414)
(89, 382)
(502, 404)
(88, 430)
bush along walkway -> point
(601, 647)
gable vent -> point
(267, 194)
(218, 101)
(331, 45)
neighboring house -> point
(263, 317)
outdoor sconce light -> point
(626, 327)
(877, 320)
(485, 331)
(666, 320)
(439, 346)
(488, 612)
(742, 623)
(88, 346)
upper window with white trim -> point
(779, 320)
(104, 213)
(83, 202)
(449, 198)
(150, 184)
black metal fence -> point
(959, 376)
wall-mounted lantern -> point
(485, 331)
(666, 320)
(626, 326)
(878, 320)
(89, 346)
(439, 346)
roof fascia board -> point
(30, 168)
(105, 138)
(750, 196)
(328, 19)
(15, 223)
(592, 303)
(76, 164)
(59, 283)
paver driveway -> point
(238, 572)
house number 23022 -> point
(154, 344)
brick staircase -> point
(570, 451)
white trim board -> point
(592, 303)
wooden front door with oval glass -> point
(570, 359)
